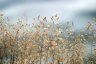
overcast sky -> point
(75, 10)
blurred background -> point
(78, 11)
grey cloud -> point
(8, 3)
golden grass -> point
(19, 44)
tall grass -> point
(44, 43)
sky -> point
(79, 11)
